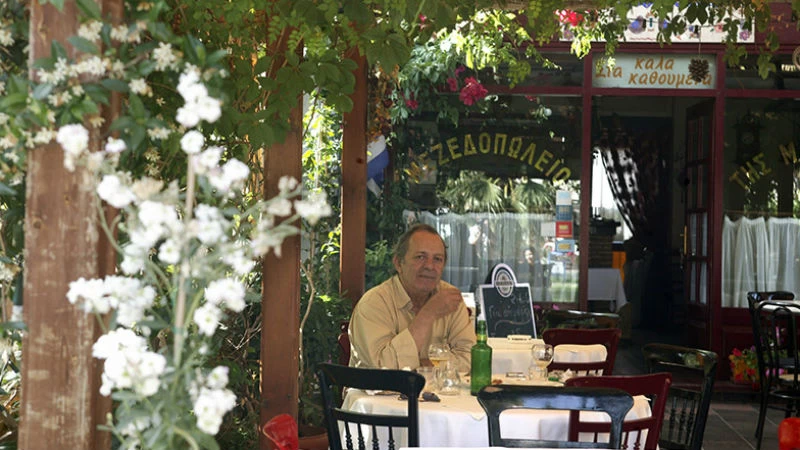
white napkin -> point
(505, 344)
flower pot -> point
(312, 437)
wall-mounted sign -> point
(565, 246)
(652, 71)
(564, 229)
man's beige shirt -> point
(379, 335)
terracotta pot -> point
(312, 437)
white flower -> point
(144, 188)
(6, 38)
(210, 406)
(233, 173)
(313, 208)
(280, 207)
(187, 117)
(192, 142)
(89, 295)
(209, 109)
(164, 56)
(134, 257)
(207, 318)
(158, 133)
(90, 30)
(74, 139)
(218, 378)
(207, 160)
(115, 145)
(169, 252)
(114, 192)
(209, 224)
(119, 33)
(117, 340)
(226, 291)
(287, 184)
(139, 86)
(238, 261)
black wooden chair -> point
(693, 372)
(775, 332)
(654, 386)
(498, 398)
(333, 378)
(608, 337)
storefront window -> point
(761, 227)
(503, 187)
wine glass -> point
(541, 357)
(438, 352)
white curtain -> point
(477, 241)
(759, 255)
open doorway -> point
(640, 142)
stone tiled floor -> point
(732, 419)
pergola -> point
(61, 406)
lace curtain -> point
(759, 255)
(477, 241)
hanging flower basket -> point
(744, 367)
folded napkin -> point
(579, 353)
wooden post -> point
(280, 297)
(354, 188)
(61, 403)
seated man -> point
(394, 322)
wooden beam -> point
(61, 403)
(280, 297)
(354, 188)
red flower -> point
(459, 69)
(569, 16)
(472, 91)
(411, 103)
(422, 18)
(453, 84)
(282, 431)
(737, 352)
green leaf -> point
(57, 3)
(41, 91)
(115, 85)
(122, 123)
(138, 135)
(10, 101)
(6, 190)
(57, 50)
(83, 44)
(136, 106)
(89, 8)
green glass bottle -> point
(481, 370)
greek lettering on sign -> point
(517, 148)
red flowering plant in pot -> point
(744, 367)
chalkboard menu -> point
(505, 305)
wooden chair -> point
(333, 378)
(608, 337)
(566, 318)
(654, 386)
(775, 332)
(498, 398)
(344, 343)
(693, 372)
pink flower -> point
(568, 16)
(453, 84)
(411, 103)
(472, 91)
(459, 69)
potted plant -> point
(744, 367)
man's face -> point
(529, 256)
(421, 268)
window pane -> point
(761, 229)
(491, 184)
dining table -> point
(510, 355)
(460, 421)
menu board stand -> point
(506, 305)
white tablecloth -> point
(510, 356)
(606, 284)
(459, 421)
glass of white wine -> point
(541, 357)
(439, 355)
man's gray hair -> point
(401, 248)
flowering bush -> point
(744, 366)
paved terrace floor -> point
(732, 419)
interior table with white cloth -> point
(459, 421)
(515, 356)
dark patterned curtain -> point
(633, 166)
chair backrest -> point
(654, 386)
(608, 337)
(333, 378)
(344, 343)
(693, 373)
(567, 318)
(775, 326)
(498, 398)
